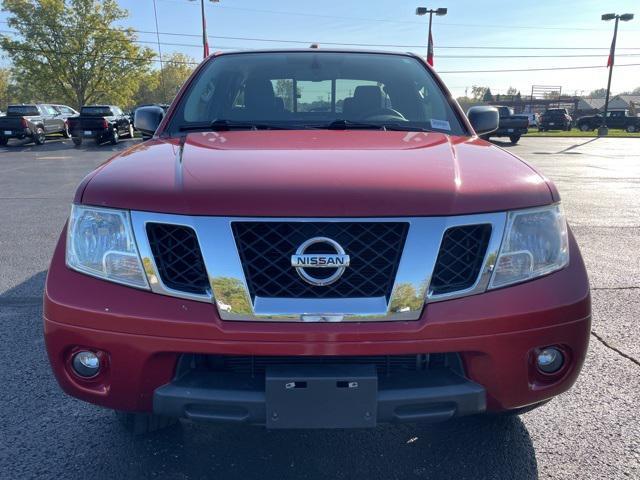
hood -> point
(316, 173)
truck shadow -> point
(58, 144)
(37, 412)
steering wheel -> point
(385, 114)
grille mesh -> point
(178, 258)
(266, 248)
(460, 258)
(384, 363)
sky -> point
(569, 31)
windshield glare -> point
(312, 89)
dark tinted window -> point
(96, 111)
(19, 110)
(298, 89)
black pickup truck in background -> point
(555, 119)
(34, 121)
(616, 119)
(512, 126)
(101, 123)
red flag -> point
(612, 49)
(205, 39)
(206, 49)
(430, 50)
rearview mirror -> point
(483, 119)
(147, 119)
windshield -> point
(13, 110)
(314, 89)
(96, 111)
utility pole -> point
(205, 39)
(603, 130)
(162, 84)
(439, 12)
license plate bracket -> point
(322, 396)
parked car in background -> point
(616, 119)
(555, 119)
(33, 121)
(534, 118)
(512, 126)
(100, 123)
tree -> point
(477, 92)
(71, 51)
(160, 86)
(598, 93)
(487, 97)
(512, 91)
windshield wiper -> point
(349, 125)
(221, 125)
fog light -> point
(86, 364)
(550, 360)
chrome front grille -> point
(266, 248)
(243, 265)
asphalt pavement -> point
(591, 432)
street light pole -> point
(439, 12)
(603, 130)
(162, 84)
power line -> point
(537, 69)
(386, 20)
(118, 57)
(235, 47)
(351, 44)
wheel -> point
(584, 127)
(4, 141)
(514, 138)
(77, 141)
(540, 129)
(131, 133)
(631, 129)
(115, 137)
(568, 129)
(144, 423)
(66, 133)
(39, 137)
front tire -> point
(584, 127)
(66, 133)
(77, 141)
(115, 137)
(131, 133)
(540, 129)
(514, 139)
(144, 423)
(631, 129)
(39, 137)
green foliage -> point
(161, 86)
(71, 52)
(598, 93)
(230, 291)
(487, 97)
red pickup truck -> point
(315, 239)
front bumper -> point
(144, 334)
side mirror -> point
(147, 119)
(483, 119)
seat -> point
(366, 99)
(260, 100)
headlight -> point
(100, 242)
(535, 243)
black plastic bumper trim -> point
(427, 396)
